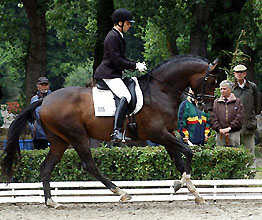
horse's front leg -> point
(191, 187)
(174, 148)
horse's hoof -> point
(200, 200)
(177, 185)
(50, 203)
(125, 197)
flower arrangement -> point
(13, 108)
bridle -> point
(200, 96)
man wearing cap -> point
(114, 63)
(248, 93)
(38, 135)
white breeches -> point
(118, 87)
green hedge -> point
(138, 163)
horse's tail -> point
(12, 151)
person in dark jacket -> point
(114, 63)
(248, 93)
(227, 116)
(38, 135)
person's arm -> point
(214, 118)
(182, 121)
(207, 127)
(255, 93)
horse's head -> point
(180, 72)
(204, 86)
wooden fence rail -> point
(162, 190)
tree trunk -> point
(37, 48)
(172, 46)
(199, 31)
(250, 64)
(105, 9)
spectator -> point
(193, 124)
(248, 93)
(227, 116)
(38, 135)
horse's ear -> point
(214, 64)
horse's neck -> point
(153, 91)
(176, 81)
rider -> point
(114, 63)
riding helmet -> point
(123, 15)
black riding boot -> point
(118, 123)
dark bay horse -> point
(67, 116)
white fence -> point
(93, 191)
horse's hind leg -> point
(57, 149)
(88, 163)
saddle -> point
(105, 102)
(130, 84)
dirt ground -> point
(182, 210)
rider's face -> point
(127, 25)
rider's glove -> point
(141, 67)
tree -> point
(105, 9)
(199, 30)
(69, 26)
(37, 48)
(13, 44)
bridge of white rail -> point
(162, 190)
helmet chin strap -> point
(121, 26)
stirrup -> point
(117, 136)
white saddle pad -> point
(104, 102)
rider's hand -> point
(141, 67)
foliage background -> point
(163, 28)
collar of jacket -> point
(231, 98)
(118, 32)
(236, 84)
